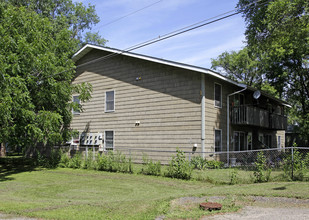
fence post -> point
(292, 162)
(93, 153)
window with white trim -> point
(76, 100)
(218, 140)
(109, 140)
(110, 101)
(218, 95)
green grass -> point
(85, 194)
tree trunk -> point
(2, 150)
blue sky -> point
(196, 47)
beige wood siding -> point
(166, 102)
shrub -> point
(198, 162)
(179, 167)
(294, 169)
(50, 161)
(88, 162)
(76, 161)
(234, 177)
(150, 167)
(306, 161)
(262, 172)
(64, 159)
(113, 163)
(213, 164)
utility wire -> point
(127, 15)
(169, 35)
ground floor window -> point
(239, 141)
(109, 140)
(218, 140)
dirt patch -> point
(13, 217)
(256, 212)
(254, 207)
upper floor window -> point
(110, 101)
(218, 95)
(76, 100)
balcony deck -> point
(255, 116)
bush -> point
(150, 167)
(50, 161)
(297, 165)
(262, 172)
(64, 159)
(198, 162)
(213, 164)
(76, 161)
(88, 162)
(113, 163)
(234, 177)
(179, 167)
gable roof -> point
(88, 47)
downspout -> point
(203, 114)
(228, 124)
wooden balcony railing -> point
(251, 115)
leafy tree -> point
(36, 73)
(78, 17)
(239, 66)
(277, 31)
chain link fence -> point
(242, 159)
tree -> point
(36, 73)
(243, 67)
(239, 66)
(277, 31)
(76, 16)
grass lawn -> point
(85, 194)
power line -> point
(169, 35)
(166, 36)
(127, 15)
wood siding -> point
(166, 102)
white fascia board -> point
(88, 47)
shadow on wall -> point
(177, 82)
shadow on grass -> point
(14, 165)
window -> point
(109, 140)
(239, 141)
(218, 140)
(218, 96)
(76, 102)
(110, 101)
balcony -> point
(254, 116)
